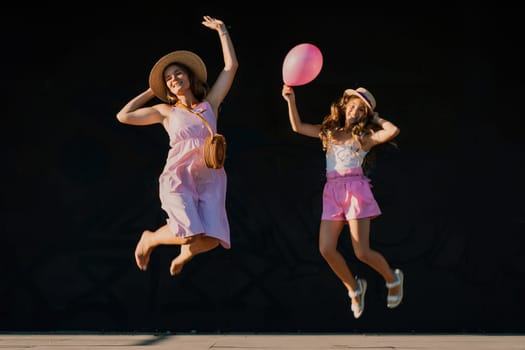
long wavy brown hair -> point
(336, 121)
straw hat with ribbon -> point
(364, 94)
(187, 58)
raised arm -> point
(387, 132)
(222, 85)
(134, 114)
(298, 126)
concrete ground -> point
(96, 341)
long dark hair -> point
(198, 88)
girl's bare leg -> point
(328, 239)
(149, 240)
(360, 235)
(199, 244)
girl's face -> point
(176, 78)
(355, 110)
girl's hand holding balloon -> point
(288, 93)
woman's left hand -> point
(213, 23)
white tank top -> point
(343, 157)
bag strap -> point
(182, 105)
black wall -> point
(79, 188)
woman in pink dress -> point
(348, 134)
(192, 195)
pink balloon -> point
(302, 64)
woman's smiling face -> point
(176, 78)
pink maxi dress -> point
(192, 195)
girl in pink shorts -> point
(348, 133)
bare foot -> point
(198, 245)
(143, 251)
(178, 263)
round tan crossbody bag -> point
(214, 145)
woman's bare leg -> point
(149, 240)
(198, 245)
(360, 235)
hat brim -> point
(187, 58)
(363, 97)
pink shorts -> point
(348, 196)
